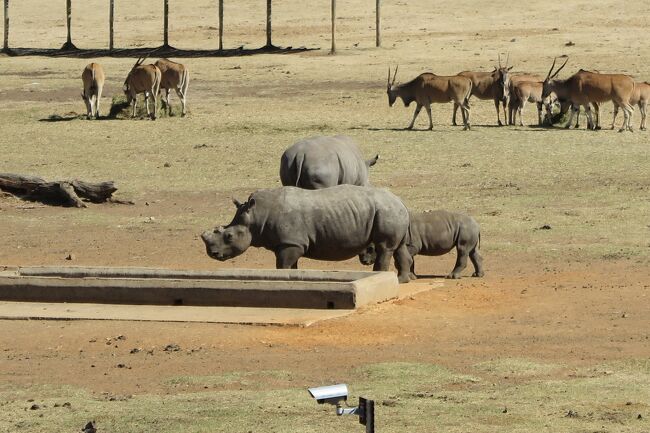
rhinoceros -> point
(334, 223)
(322, 162)
(435, 233)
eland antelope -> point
(427, 88)
(584, 88)
(490, 86)
(529, 91)
(143, 79)
(174, 76)
(640, 97)
(93, 82)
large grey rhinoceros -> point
(328, 224)
(435, 233)
(322, 162)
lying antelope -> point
(584, 88)
(93, 82)
(143, 79)
(640, 97)
(427, 88)
(174, 76)
(529, 91)
(489, 86)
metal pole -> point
(220, 25)
(68, 44)
(6, 41)
(68, 6)
(378, 24)
(110, 25)
(333, 27)
(268, 24)
(166, 23)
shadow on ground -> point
(158, 52)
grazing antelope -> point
(640, 97)
(427, 88)
(143, 79)
(174, 76)
(93, 82)
(584, 88)
(529, 91)
(489, 85)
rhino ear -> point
(372, 161)
(237, 203)
(218, 229)
(251, 203)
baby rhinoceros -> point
(435, 233)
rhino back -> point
(329, 224)
(322, 162)
(434, 232)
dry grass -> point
(413, 397)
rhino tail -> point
(299, 161)
(372, 161)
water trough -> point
(301, 289)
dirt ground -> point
(574, 295)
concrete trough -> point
(305, 289)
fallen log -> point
(63, 192)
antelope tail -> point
(469, 94)
(185, 80)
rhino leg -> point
(404, 264)
(462, 251)
(287, 257)
(477, 261)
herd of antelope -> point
(582, 89)
(585, 89)
(151, 80)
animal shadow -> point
(65, 118)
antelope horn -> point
(548, 76)
(137, 62)
(388, 82)
(507, 58)
(499, 60)
(563, 65)
(395, 75)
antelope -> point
(143, 79)
(489, 85)
(427, 88)
(93, 82)
(585, 88)
(529, 91)
(512, 102)
(174, 76)
(640, 97)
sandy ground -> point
(576, 297)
